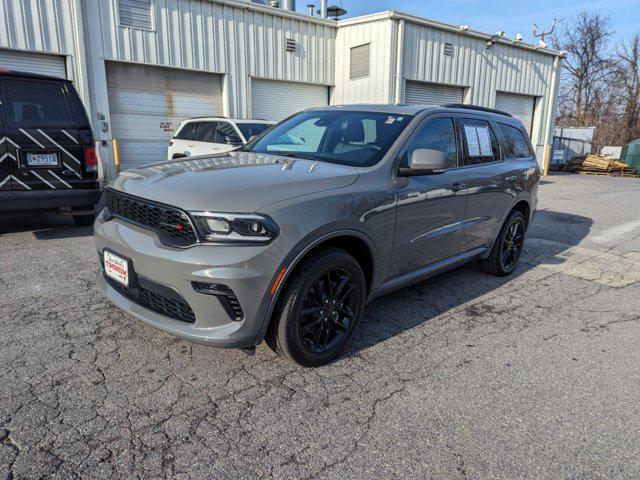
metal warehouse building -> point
(142, 66)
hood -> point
(239, 182)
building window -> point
(360, 60)
(135, 14)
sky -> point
(513, 16)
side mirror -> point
(424, 161)
(232, 140)
(252, 137)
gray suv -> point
(288, 237)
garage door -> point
(432, 94)
(273, 100)
(146, 105)
(40, 63)
(520, 106)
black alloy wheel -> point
(319, 308)
(328, 310)
(512, 245)
(504, 255)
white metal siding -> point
(484, 71)
(40, 63)
(272, 100)
(378, 86)
(51, 27)
(148, 103)
(430, 94)
(520, 106)
(225, 38)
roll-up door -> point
(40, 63)
(520, 106)
(274, 100)
(432, 94)
(147, 103)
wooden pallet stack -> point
(597, 165)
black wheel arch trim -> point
(518, 200)
(292, 260)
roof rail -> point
(476, 107)
(206, 116)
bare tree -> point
(627, 74)
(585, 38)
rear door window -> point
(225, 129)
(516, 141)
(36, 104)
(480, 142)
(204, 132)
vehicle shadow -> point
(549, 236)
(43, 225)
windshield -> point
(358, 139)
(250, 129)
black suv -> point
(48, 157)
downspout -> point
(550, 111)
(399, 78)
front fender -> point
(296, 255)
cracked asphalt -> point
(463, 376)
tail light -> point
(90, 159)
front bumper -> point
(247, 270)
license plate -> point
(42, 159)
(117, 268)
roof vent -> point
(336, 12)
(290, 44)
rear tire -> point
(504, 256)
(319, 309)
(83, 220)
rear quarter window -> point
(516, 141)
(36, 104)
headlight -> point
(231, 227)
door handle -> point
(457, 187)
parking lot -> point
(463, 376)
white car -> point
(207, 135)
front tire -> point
(320, 309)
(504, 256)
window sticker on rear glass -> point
(478, 141)
(485, 141)
(473, 143)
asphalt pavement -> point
(465, 376)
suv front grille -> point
(172, 225)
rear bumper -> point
(48, 199)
